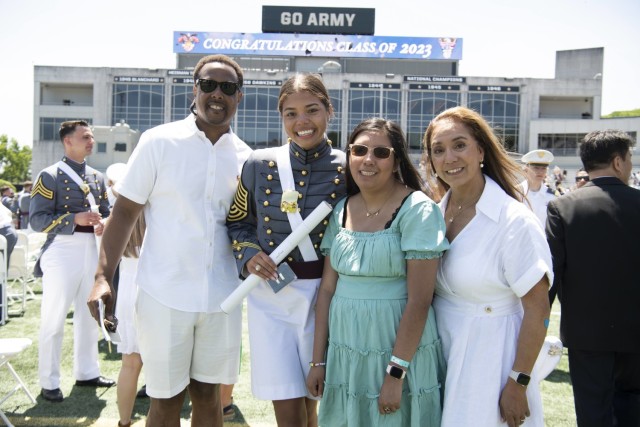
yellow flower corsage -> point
(289, 201)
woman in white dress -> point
(491, 292)
(125, 313)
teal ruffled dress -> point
(365, 313)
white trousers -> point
(68, 267)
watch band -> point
(396, 372)
(520, 378)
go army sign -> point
(318, 20)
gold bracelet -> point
(314, 364)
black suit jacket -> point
(594, 236)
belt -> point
(83, 229)
(307, 270)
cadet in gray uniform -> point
(68, 201)
(276, 185)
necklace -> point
(374, 213)
(462, 208)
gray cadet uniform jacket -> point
(256, 222)
(56, 198)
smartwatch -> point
(520, 378)
(396, 372)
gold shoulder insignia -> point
(240, 206)
(40, 189)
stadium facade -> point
(406, 79)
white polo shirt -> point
(187, 185)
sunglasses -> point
(582, 178)
(228, 88)
(360, 150)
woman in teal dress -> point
(377, 358)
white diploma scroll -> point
(278, 254)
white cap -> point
(538, 157)
(116, 172)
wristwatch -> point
(396, 372)
(520, 377)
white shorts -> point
(177, 345)
(281, 337)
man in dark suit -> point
(593, 234)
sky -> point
(501, 38)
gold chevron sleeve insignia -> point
(40, 189)
(239, 246)
(240, 206)
(55, 222)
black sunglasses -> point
(360, 150)
(228, 88)
(582, 178)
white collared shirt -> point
(538, 200)
(187, 185)
(500, 254)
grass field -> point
(86, 406)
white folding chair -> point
(17, 276)
(9, 349)
(23, 238)
(4, 300)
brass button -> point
(297, 154)
(289, 259)
(271, 243)
(269, 177)
(66, 223)
(66, 206)
(238, 248)
(325, 222)
(333, 195)
(239, 256)
(301, 183)
(267, 191)
(66, 197)
(272, 164)
(336, 181)
(299, 195)
(267, 219)
(266, 203)
(488, 309)
(315, 246)
(269, 231)
(320, 234)
(316, 155)
(304, 173)
(339, 168)
(68, 189)
(66, 181)
(235, 242)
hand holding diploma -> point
(278, 254)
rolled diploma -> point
(278, 254)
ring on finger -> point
(387, 410)
(258, 267)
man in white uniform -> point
(68, 203)
(539, 195)
(183, 175)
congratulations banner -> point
(321, 45)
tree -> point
(628, 113)
(15, 161)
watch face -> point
(396, 372)
(523, 379)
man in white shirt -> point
(183, 175)
(539, 195)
